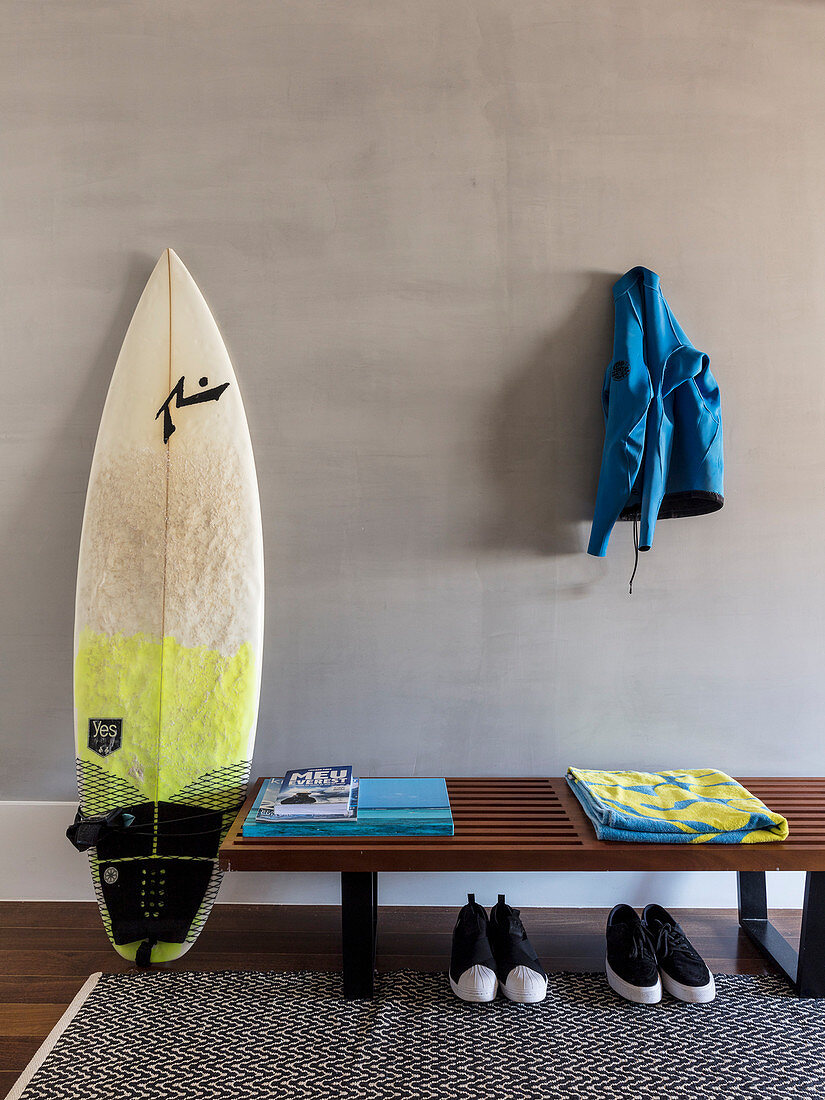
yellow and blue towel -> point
(684, 807)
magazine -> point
(308, 793)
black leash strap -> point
(87, 829)
(143, 956)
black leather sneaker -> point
(520, 974)
(472, 965)
(683, 970)
(632, 970)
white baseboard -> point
(37, 863)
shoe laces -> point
(671, 940)
(472, 920)
(638, 943)
(513, 925)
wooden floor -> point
(47, 950)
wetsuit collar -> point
(635, 275)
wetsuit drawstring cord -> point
(636, 549)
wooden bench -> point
(537, 824)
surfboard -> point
(168, 622)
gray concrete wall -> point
(407, 218)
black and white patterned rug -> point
(267, 1036)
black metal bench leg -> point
(752, 893)
(810, 974)
(805, 969)
(359, 931)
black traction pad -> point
(154, 878)
(154, 899)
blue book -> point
(385, 807)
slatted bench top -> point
(537, 824)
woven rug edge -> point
(48, 1044)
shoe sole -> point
(692, 994)
(524, 998)
(473, 998)
(639, 994)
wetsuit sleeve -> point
(683, 363)
(626, 396)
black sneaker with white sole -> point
(683, 970)
(520, 974)
(632, 970)
(472, 965)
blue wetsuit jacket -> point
(663, 424)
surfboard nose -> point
(181, 281)
(170, 265)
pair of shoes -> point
(643, 955)
(488, 953)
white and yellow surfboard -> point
(169, 621)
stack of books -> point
(332, 802)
